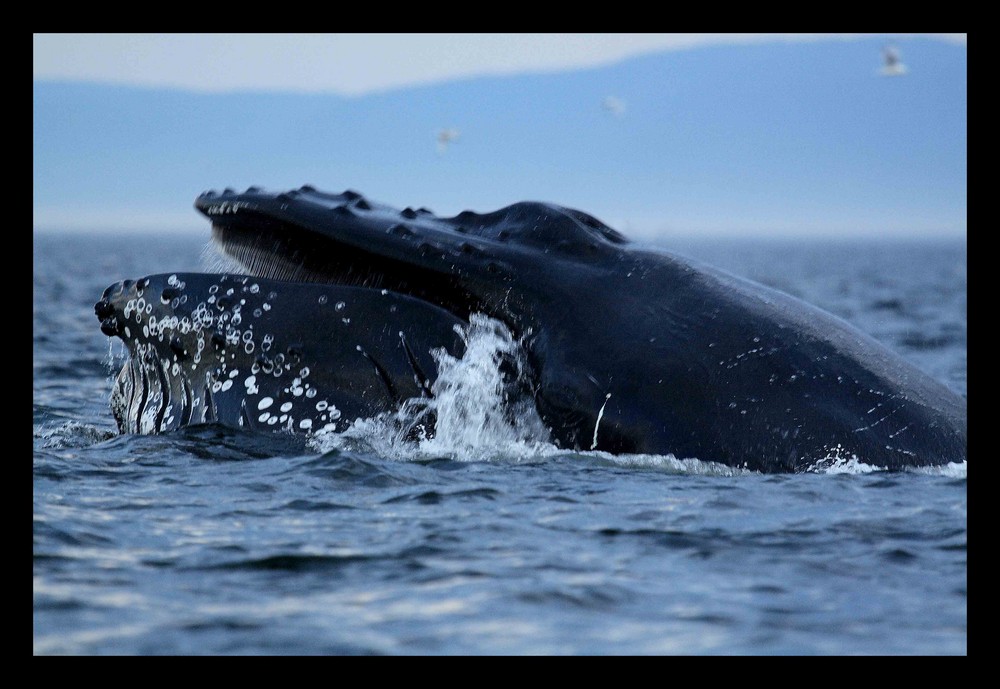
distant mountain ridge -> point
(771, 138)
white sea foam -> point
(671, 464)
(950, 470)
(843, 465)
(71, 434)
(839, 462)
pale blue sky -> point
(355, 64)
(765, 134)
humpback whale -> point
(339, 301)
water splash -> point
(482, 407)
(483, 410)
(71, 434)
(670, 464)
(838, 461)
(949, 470)
(843, 465)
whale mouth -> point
(275, 250)
(265, 246)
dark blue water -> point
(213, 541)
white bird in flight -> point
(893, 66)
(445, 137)
(616, 106)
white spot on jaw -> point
(286, 406)
(265, 403)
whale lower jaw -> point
(261, 354)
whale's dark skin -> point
(631, 350)
(261, 354)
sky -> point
(356, 64)
(769, 134)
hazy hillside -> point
(774, 137)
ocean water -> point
(211, 541)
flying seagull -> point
(616, 106)
(892, 65)
(445, 137)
